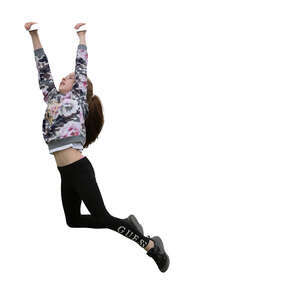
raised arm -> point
(45, 79)
(79, 88)
(80, 85)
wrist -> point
(33, 32)
(81, 34)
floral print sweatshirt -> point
(64, 119)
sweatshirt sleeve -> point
(46, 82)
(80, 85)
(79, 88)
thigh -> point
(70, 200)
(88, 191)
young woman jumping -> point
(73, 120)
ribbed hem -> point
(82, 46)
(39, 51)
(65, 141)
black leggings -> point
(78, 182)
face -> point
(66, 83)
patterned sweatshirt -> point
(65, 114)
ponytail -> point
(95, 119)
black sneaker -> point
(159, 254)
(133, 221)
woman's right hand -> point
(28, 25)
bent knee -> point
(72, 223)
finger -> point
(78, 25)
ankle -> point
(150, 245)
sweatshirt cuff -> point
(39, 51)
(82, 46)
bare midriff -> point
(67, 156)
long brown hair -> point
(95, 119)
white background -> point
(200, 142)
